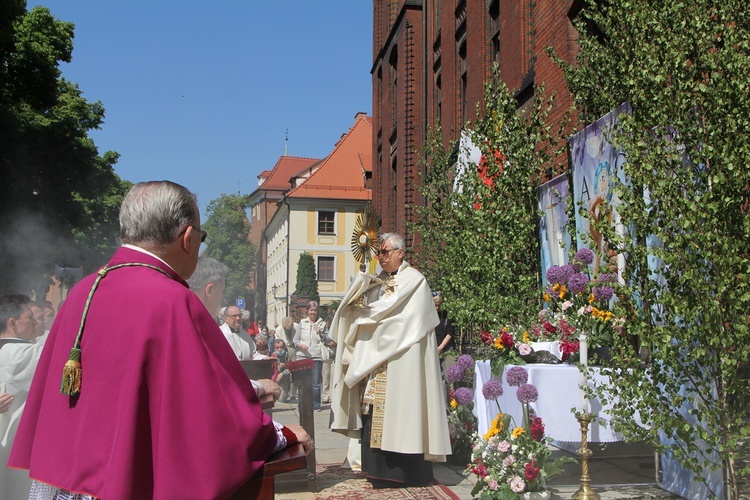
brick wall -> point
(417, 73)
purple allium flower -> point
(555, 275)
(603, 293)
(453, 374)
(527, 393)
(584, 256)
(516, 376)
(492, 389)
(607, 277)
(567, 271)
(465, 361)
(577, 283)
(464, 396)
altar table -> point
(559, 391)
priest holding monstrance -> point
(387, 386)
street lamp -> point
(274, 289)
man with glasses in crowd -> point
(137, 394)
(387, 385)
(239, 340)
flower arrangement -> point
(461, 420)
(576, 302)
(507, 347)
(512, 459)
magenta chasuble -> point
(165, 410)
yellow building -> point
(318, 216)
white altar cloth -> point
(559, 391)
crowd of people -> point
(133, 388)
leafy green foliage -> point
(480, 244)
(228, 229)
(59, 198)
(685, 69)
(307, 281)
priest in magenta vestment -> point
(165, 410)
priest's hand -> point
(5, 401)
(302, 437)
(270, 387)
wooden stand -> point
(302, 376)
(257, 369)
(293, 458)
(262, 485)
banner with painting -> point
(554, 238)
(595, 164)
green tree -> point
(307, 280)
(478, 231)
(685, 69)
(228, 229)
(58, 197)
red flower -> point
(480, 470)
(567, 328)
(487, 338)
(569, 347)
(549, 327)
(532, 471)
(537, 429)
(507, 339)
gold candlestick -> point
(585, 492)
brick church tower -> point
(431, 60)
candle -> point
(584, 352)
(584, 358)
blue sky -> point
(202, 93)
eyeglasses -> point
(385, 251)
(235, 316)
(203, 233)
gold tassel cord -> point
(71, 381)
(73, 369)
